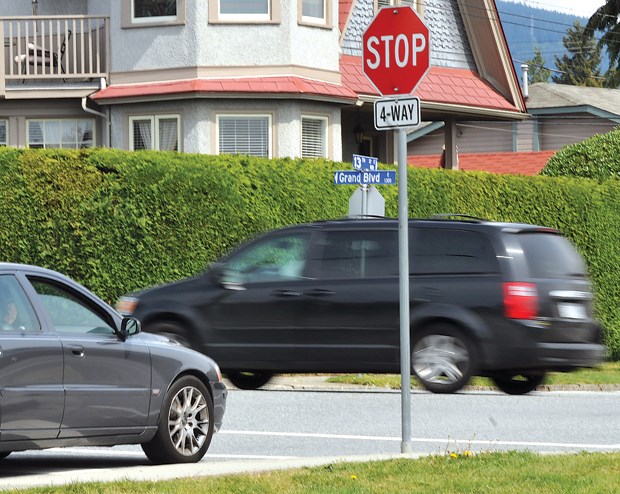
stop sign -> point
(396, 51)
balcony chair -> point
(37, 56)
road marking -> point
(478, 442)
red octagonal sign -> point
(396, 53)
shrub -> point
(597, 157)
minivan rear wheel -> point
(443, 359)
(518, 384)
(249, 380)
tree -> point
(606, 19)
(537, 70)
(581, 66)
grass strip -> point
(497, 473)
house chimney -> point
(525, 88)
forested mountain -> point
(528, 27)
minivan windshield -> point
(551, 256)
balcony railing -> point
(53, 50)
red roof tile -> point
(262, 85)
(522, 163)
(441, 85)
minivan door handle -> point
(320, 292)
(287, 293)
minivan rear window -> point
(551, 256)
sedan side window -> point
(16, 312)
(273, 259)
(69, 314)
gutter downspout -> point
(105, 116)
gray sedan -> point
(73, 372)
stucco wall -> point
(45, 7)
(200, 44)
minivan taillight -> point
(520, 300)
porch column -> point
(2, 62)
(451, 161)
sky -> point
(581, 8)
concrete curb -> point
(305, 382)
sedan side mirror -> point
(130, 326)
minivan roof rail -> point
(457, 216)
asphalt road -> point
(269, 429)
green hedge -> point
(118, 221)
(596, 158)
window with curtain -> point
(154, 9)
(244, 134)
(244, 9)
(159, 132)
(68, 133)
(313, 10)
(4, 132)
(314, 137)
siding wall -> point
(472, 137)
(557, 132)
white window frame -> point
(271, 17)
(255, 116)
(324, 135)
(129, 20)
(316, 21)
(396, 3)
(6, 131)
(154, 121)
(43, 121)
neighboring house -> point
(268, 78)
(561, 115)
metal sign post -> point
(403, 281)
(395, 58)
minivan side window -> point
(357, 254)
(272, 259)
(450, 251)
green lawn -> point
(607, 373)
(496, 473)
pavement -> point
(218, 468)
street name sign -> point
(354, 177)
(365, 162)
(394, 113)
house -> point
(270, 78)
(561, 115)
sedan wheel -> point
(443, 360)
(185, 425)
(249, 380)
(518, 384)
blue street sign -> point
(353, 177)
(365, 163)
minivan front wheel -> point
(443, 359)
(518, 384)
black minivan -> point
(504, 300)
